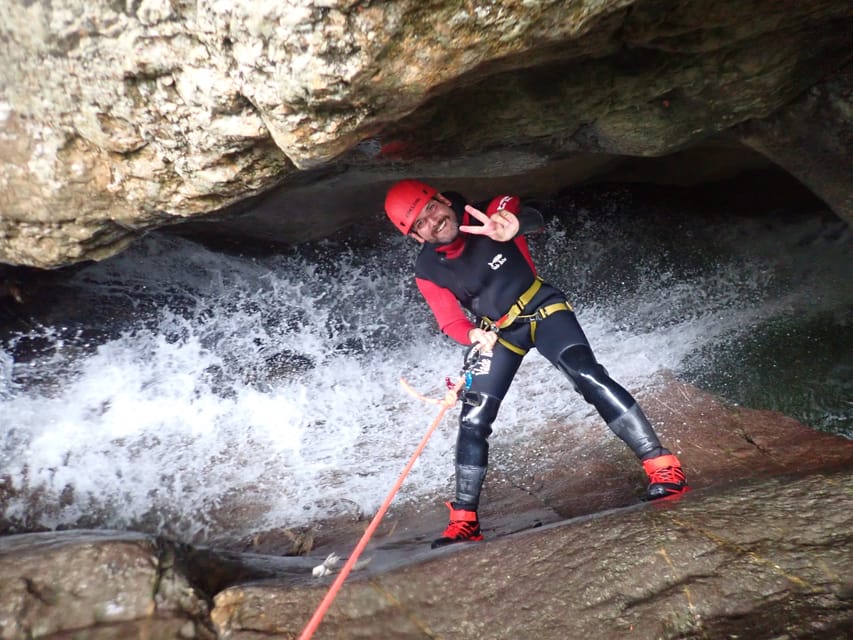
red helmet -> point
(405, 200)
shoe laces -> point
(461, 529)
(667, 475)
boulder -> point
(96, 584)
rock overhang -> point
(117, 122)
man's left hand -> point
(486, 339)
(501, 227)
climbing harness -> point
(445, 403)
(515, 315)
(515, 310)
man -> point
(480, 261)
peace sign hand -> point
(501, 227)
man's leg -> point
(615, 404)
(480, 403)
(479, 410)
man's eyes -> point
(420, 222)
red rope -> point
(448, 401)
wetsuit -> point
(487, 278)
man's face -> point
(436, 223)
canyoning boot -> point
(666, 479)
(464, 527)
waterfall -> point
(208, 393)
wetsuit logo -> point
(484, 364)
(497, 261)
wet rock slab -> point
(568, 471)
(767, 559)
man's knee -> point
(593, 382)
(585, 372)
(479, 411)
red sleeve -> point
(503, 203)
(447, 311)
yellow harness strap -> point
(514, 314)
(509, 345)
(546, 311)
(516, 309)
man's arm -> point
(447, 311)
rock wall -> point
(121, 117)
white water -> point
(210, 396)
